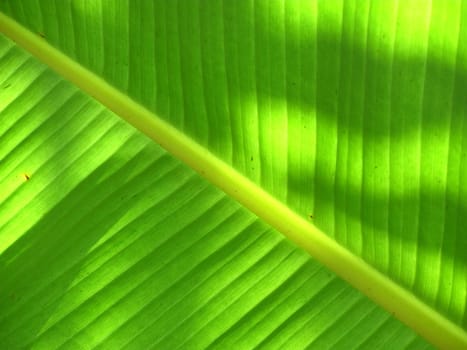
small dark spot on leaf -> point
(6, 86)
(251, 158)
(41, 34)
(26, 177)
(310, 216)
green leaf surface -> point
(113, 243)
(350, 113)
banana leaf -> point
(337, 124)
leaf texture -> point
(350, 112)
(112, 243)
